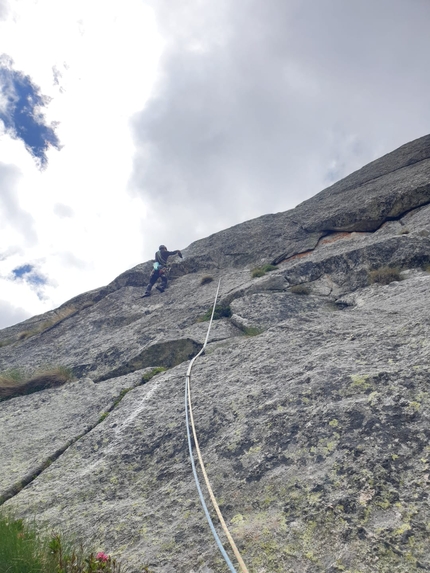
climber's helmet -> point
(162, 248)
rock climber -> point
(160, 269)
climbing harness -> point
(189, 418)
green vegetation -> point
(206, 280)
(252, 330)
(384, 275)
(57, 317)
(148, 375)
(117, 400)
(24, 550)
(11, 377)
(123, 392)
(15, 383)
(261, 271)
(300, 289)
(20, 549)
(221, 311)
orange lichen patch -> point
(298, 256)
(334, 237)
(340, 235)
(325, 241)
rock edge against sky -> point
(314, 429)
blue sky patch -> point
(21, 105)
(29, 274)
(19, 272)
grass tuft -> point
(384, 275)
(300, 289)
(24, 550)
(252, 330)
(11, 377)
(148, 375)
(261, 271)
(56, 318)
(220, 312)
(14, 383)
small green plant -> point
(69, 560)
(24, 550)
(261, 271)
(148, 375)
(221, 311)
(252, 330)
(103, 417)
(19, 551)
(206, 280)
(384, 275)
(123, 392)
(300, 289)
(255, 273)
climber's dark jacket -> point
(160, 273)
(162, 256)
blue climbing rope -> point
(205, 509)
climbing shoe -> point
(146, 294)
(160, 288)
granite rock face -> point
(311, 400)
(46, 423)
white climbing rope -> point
(188, 407)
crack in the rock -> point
(166, 354)
(16, 488)
(19, 486)
(328, 232)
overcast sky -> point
(124, 125)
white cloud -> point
(62, 210)
(4, 9)
(97, 61)
(256, 106)
(278, 101)
(10, 314)
(17, 223)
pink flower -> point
(102, 556)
